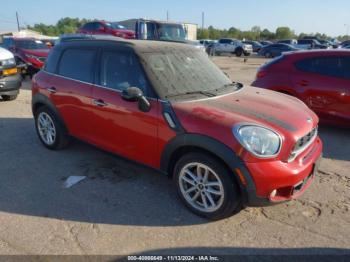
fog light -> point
(273, 193)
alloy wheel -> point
(201, 187)
(46, 128)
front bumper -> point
(10, 85)
(279, 181)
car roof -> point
(140, 46)
(319, 52)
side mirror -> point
(134, 94)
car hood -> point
(37, 52)
(287, 115)
(5, 54)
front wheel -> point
(205, 186)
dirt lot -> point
(122, 208)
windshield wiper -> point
(205, 93)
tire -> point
(268, 55)
(226, 198)
(60, 138)
(9, 98)
(239, 52)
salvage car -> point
(321, 79)
(106, 28)
(28, 51)
(271, 51)
(10, 79)
(168, 106)
(232, 46)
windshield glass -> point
(178, 73)
(115, 26)
(171, 32)
(30, 44)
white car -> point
(232, 46)
(10, 79)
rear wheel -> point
(205, 186)
(239, 52)
(9, 98)
(50, 130)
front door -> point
(118, 125)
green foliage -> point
(284, 33)
(63, 26)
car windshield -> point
(171, 32)
(115, 26)
(31, 44)
(179, 73)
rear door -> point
(70, 89)
(324, 83)
(118, 125)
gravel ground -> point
(122, 208)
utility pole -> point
(202, 20)
(167, 15)
(347, 30)
(19, 29)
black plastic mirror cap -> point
(132, 94)
(144, 104)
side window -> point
(77, 64)
(51, 61)
(87, 26)
(151, 31)
(346, 67)
(120, 70)
(327, 66)
(224, 41)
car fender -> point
(215, 147)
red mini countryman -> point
(321, 79)
(166, 105)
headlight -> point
(9, 62)
(260, 141)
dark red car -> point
(106, 28)
(167, 106)
(29, 51)
(321, 79)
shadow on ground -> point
(336, 142)
(116, 191)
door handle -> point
(99, 102)
(304, 83)
(52, 90)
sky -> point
(308, 16)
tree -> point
(284, 33)
(267, 35)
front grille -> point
(303, 143)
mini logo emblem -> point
(309, 120)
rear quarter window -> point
(77, 64)
(332, 66)
(51, 61)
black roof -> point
(141, 46)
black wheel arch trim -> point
(44, 100)
(215, 147)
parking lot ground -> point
(122, 208)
